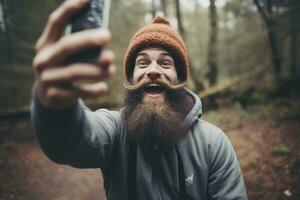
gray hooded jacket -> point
(203, 165)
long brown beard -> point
(152, 121)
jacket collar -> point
(196, 110)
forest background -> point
(244, 63)
(225, 39)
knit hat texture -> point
(159, 34)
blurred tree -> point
(179, 18)
(242, 38)
(194, 78)
(212, 51)
(6, 52)
(23, 24)
(154, 9)
(294, 13)
(163, 4)
(265, 9)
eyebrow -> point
(142, 54)
(166, 54)
(145, 54)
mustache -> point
(145, 82)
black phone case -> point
(89, 18)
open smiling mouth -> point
(154, 89)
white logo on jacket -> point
(189, 180)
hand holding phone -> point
(94, 15)
(54, 48)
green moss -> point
(281, 150)
(248, 164)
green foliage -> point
(235, 119)
(259, 97)
(281, 150)
(251, 164)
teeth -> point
(153, 84)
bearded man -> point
(156, 146)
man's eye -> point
(166, 64)
(142, 64)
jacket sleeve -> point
(76, 135)
(225, 177)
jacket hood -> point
(196, 112)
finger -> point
(71, 73)
(112, 70)
(59, 97)
(69, 45)
(90, 90)
(106, 62)
(58, 20)
(107, 58)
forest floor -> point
(265, 137)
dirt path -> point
(266, 141)
(29, 175)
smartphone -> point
(94, 15)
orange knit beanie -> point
(159, 34)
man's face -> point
(153, 98)
(154, 64)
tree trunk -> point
(179, 18)
(268, 18)
(163, 4)
(153, 9)
(194, 78)
(7, 49)
(295, 38)
(276, 54)
(212, 46)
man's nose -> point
(153, 72)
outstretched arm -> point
(67, 131)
